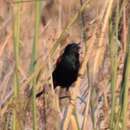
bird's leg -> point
(66, 92)
(69, 94)
(82, 100)
(63, 97)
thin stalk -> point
(82, 24)
(60, 17)
(24, 1)
(114, 63)
(76, 120)
(16, 34)
(125, 83)
(114, 60)
(100, 52)
(86, 110)
(16, 38)
(33, 59)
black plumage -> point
(67, 67)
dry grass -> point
(100, 98)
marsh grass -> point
(125, 83)
(16, 35)
(33, 59)
(106, 39)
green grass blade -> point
(33, 59)
(125, 83)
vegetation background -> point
(32, 35)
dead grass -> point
(90, 111)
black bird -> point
(67, 67)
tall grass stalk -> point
(16, 35)
(33, 59)
(16, 38)
(125, 83)
(82, 24)
(100, 52)
(114, 63)
(114, 45)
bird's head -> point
(72, 48)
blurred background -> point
(33, 33)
